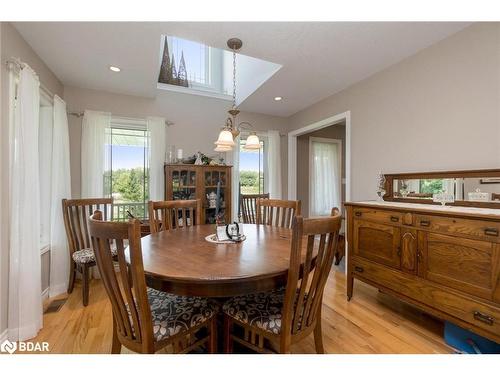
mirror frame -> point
(477, 173)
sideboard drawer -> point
(381, 216)
(481, 315)
(475, 229)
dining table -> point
(184, 262)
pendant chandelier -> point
(232, 129)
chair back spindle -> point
(166, 215)
(276, 212)
(75, 215)
(248, 207)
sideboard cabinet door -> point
(471, 266)
(377, 242)
(409, 250)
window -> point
(253, 164)
(127, 178)
(190, 64)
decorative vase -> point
(380, 195)
(170, 155)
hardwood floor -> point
(371, 322)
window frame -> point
(127, 123)
(213, 72)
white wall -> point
(437, 110)
(251, 73)
(197, 119)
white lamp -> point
(253, 142)
(220, 148)
(225, 139)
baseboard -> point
(45, 294)
(57, 290)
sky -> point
(249, 161)
(127, 157)
(194, 57)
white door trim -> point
(338, 142)
(292, 151)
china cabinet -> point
(189, 181)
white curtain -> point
(274, 164)
(95, 128)
(61, 188)
(236, 179)
(325, 184)
(157, 148)
(25, 300)
(45, 159)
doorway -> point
(335, 127)
(325, 172)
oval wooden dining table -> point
(183, 262)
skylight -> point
(196, 68)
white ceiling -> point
(318, 59)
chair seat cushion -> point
(262, 310)
(173, 314)
(87, 255)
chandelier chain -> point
(234, 78)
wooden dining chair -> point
(146, 320)
(75, 214)
(166, 215)
(276, 212)
(278, 318)
(248, 204)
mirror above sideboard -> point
(476, 188)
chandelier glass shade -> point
(223, 148)
(225, 138)
(253, 142)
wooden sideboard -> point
(444, 260)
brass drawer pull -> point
(358, 269)
(394, 219)
(483, 318)
(358, 214)
(491, 232)
(425, 223)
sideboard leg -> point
(350, 284)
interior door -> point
(377, 242)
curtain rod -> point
(17, 64)
(81, 113)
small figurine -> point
(212, 200)
(199, 158)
